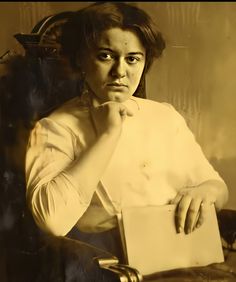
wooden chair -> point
(31, 88)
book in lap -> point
(151, 243)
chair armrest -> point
(76, 260)
(227, 225)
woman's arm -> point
(60, 189)
(89, 167)
(203, 185)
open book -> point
(152, 244)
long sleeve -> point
(53, 196)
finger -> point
(182, 210)
(192, 214)
(122, 108)
(129, 112)
(94, 102)
(204, 207)
(176, 200)
(125, 111)
(123, 114)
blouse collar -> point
(132, 103)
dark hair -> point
(82, 31)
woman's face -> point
(114, 68)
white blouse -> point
(156, 156)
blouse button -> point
(145, 169)
(145, 164)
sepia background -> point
(196, 72)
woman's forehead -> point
(120, 39)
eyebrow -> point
(112, 51)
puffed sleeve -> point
(189, 156)
(53, 197)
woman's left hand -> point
(192, 205)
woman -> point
(107, 149)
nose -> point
(118, 69)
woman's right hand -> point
(109, 116)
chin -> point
(118, 97)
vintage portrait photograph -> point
(117, 141)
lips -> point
(116, 84)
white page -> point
(154, 245)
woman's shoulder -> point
(160, 111)
(68, 116)
(72, 109)
(153, 106)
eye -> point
(133, 59)
(104, 56)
